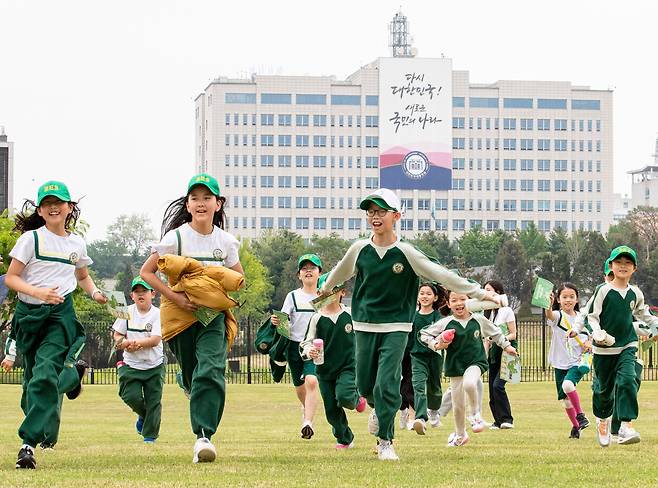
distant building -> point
(300, 152)
(644, 190)
(6, 172)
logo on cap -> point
(415, 165)
(51, 188)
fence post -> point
(248, 351)
(543, 339)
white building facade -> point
(6, 172)
(300, 153)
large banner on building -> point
(415, 123)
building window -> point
(479, 102)
(284, 202)
(266, 222)
(526, 205)
(301, 120)
(266, 119)
(319, 120)
(267, 140)
(458, 143)
(372, 161)
(517, 102)
(509, 225)
(527, 164)
(509, 124)
(310, 99)
(285, 120)
(586, 104)
(266, 160)
(372, 141)
(301, 181)
(423, 204)
(319, 223)
(509, 144)
(458, 183)
(543, 185)
(239, 98)
(285, 140)
(560, 144)
(552, 103)
(458, 122)
(346, 99)
(276, 98)
(284, 222)
(543, 144)
(526, 144)
(459, 204)
(543, 124)
(458, 163)
(301, 140)
(560, 124)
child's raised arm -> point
(346, 267)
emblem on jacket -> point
(476, 334)
(74, 257)
(148, 327)
(218, 254)
(348, 328)
(398, 268)
(632, 304)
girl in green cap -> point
(298, 307)
(48, 262)
(193, 226)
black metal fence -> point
(246, 366)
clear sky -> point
(100, 94)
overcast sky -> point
(100, 94)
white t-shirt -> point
(51, 261)
(564, 352)
(218, 248)
(138, 327)
(504, 315)
(298, 306)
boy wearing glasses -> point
(387, 274)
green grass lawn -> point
(258, 445)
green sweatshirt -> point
(467, 348)
(386, 284)
(420, 322)
(336, 332)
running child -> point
(193, 226)
(48, 262)
(383, 306)
(460, 334)
(297, 305)
(613, 308)
(566, 353)
(142, 376)
(426, 366)
(337, 374)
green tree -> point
(108, 257)
(588, 267)
(331, 249)
(480, 248)
(131, 233)
(513, 270)
(555, 263)
(437, 245)
(533, 242)
(255, 296)
(279, 251)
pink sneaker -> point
(361, 404)
(340, 447)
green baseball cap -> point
(323, 278)
(313, 258)
(137, 280)
(206, 180)
(54, 188)
(606, 269)
(623, 251)
(383, 198)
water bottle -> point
(319, 345)
(120, 363)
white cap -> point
(382, 196)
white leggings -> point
(446, 400)
(462, 387)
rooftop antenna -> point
(399, 39)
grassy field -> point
(258, 445)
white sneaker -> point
(603, 431)
(373, 423)
(627, 434)
(419, 426)
(507, 425)
(385, 451)
(477, 425)
(455, 440)
(434, 418)
(204, 451)
(404, 418)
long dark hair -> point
(439, 292)
(445, 309)
(29, 219)
(176, 215)
(498, 288)
(560, 289)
